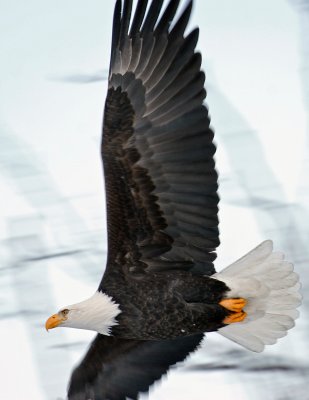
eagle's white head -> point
(98, 313)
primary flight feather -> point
(162, 203)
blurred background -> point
(54, 63)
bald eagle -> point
(162, 210)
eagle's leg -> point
(235, 317)
(235, 305)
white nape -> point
(98, 313)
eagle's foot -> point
(235, 305)
(235, 317)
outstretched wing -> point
(161, 183)
(117, 369)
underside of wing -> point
(157, 147)
(120, 369)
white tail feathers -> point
(271, 289)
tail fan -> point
(272, 291)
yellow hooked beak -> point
(54, 321)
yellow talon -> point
(235, 317)
(235, 305)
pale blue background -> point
(54, 59)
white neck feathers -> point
(98, 313)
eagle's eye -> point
(64, 312)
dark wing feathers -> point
(161, 183)
(125, 22)
(116, 31)
(167, 18)
(151, 18)
(138, 18)
(120, 369)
